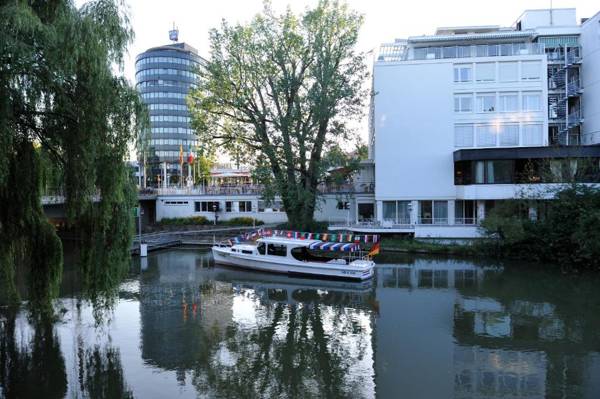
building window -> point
(433, 212)
(397, 212)
(389, 210)
(425, 212)
(463, 135)
(486, 102)
(206, 206)
(532, 102)
(485, 72)
(463, 73)
(532, 135)
(531, 70)
(245, 206)
(508, 71)
(228, 206)
(486, 136)
(509, 135)
(440, 212)
(465, 212)
(463, 103)
(343, 205)
(494, 172)
(175, 202)
(509, 102)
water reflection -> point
(423, 328)
(31, 365)
(242, 334)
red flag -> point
(374, 250)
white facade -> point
(335, 208)
(455, 115)
(590, 44)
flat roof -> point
(496, 35)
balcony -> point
(574, 118)
(363, 187)
(574, 88)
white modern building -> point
(474, 115)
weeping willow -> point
(62, 102)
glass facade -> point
(164, 77)
(527, 171)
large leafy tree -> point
(63, 107)
(281, 91)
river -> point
(181, 327)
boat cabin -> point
(298, 249)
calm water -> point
(424, 328)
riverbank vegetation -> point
(564, 230)
(412, 246)
(67, 119)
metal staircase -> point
(564, 95)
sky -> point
(384, 21)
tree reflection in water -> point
(301, 349)
(32, 364)
(30, 367)
(101, 373)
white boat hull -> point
(357, 270)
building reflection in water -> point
(434, 328)
(479, 332)
(241, 334)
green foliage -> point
(244, 221)
(202, 167)
(279, 92)
(566, 233)
(65, 120)
(410, 245)
(195, 220)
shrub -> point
(194, 220)
(567, 231)
(244, 221)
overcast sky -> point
(384, 19)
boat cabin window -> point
(261, 248)
(277, 250)
(246, 251)
(304, 254)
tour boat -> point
(295, 256)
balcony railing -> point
(465, 221)
(436, 221)
(249, 189)
(359, 187)
(445, 52)
(574, 118)
(574, 87)
(211, 190)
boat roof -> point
(288, 241)
(245, 246)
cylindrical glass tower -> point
(164, 76)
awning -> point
(334, 246)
